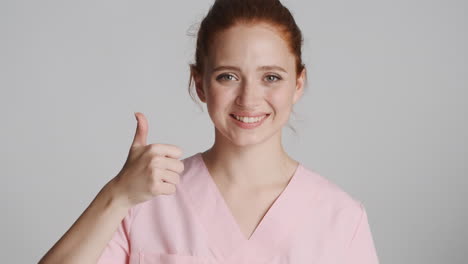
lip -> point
(248, 125)
(250, 114)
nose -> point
(249, 96)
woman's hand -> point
(149, 170)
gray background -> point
(384, 115)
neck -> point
(249, 166)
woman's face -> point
(249, 71)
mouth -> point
(249, 122)
(245, 117)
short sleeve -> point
(118, 249)
(361, 249)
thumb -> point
(141, 131)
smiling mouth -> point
(249, 120)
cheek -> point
(281, 99)
(218, 99)
(218, 102)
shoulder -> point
(330, 194)
(337, 210)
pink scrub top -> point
(312, 221)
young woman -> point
(244, 200)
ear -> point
(299, 86)
(198, 80)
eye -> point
(273, 76)
(222, 77)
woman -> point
(244, 200)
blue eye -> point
(225, 76)
(277, 77)
(221, 77)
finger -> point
(167, 188)
(167, 163)
(171, 177)
(141, 133)
(166, 150)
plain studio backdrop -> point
(384, 115)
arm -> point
(361, 248)
(99, 234)
(85, 241)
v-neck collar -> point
(225, 238)
(212, 185)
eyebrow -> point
(261, 68)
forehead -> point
(246, 45)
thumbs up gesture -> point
(149, 170)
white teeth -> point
(249, 119)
